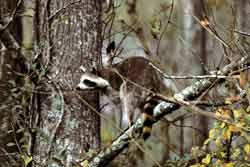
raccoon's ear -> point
(152, 91)
(94, 70)
(110, 48)
(85, 70)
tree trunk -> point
(200, 122)
(69, 35)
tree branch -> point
(13, 15)
(189, 93)
(213, 74)
(8, 40)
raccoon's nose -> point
(78, 88)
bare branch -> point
(242, 33)
(211, 32)
(165, 28)
(7, 39)
(215, 74)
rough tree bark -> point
(69, 35)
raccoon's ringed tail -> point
(147, 116)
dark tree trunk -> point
(69, 35)
(200, 122)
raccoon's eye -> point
(89, 83)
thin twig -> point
(212, 33)
(190, 77)
(8, 40)
(57, 12)
(13, 15)
(242, 33)
(165, 28)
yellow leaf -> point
(247, 148)
(230, 164)
(225, 114)
(206, 141)
(246, 158)
(217, 114)
(248, 109)
(226, 134)
(207, 159)
(233, 128)
(218, 142)
(223, 154)
(218, 163)
(240, 124)
(212, 133)
(236, 113)
(223, 124)
(227, 101)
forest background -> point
(200, 48)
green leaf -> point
(85, 163)
(236, 153)
(11, 144)
(223, 154)
(27, 159)
(20, 130)
(24, 146)
(12, 82)
(8, 66)
(216, 124)
(23, 140)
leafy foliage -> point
(18, 103)
(228, 143)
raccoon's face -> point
(90, 81)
